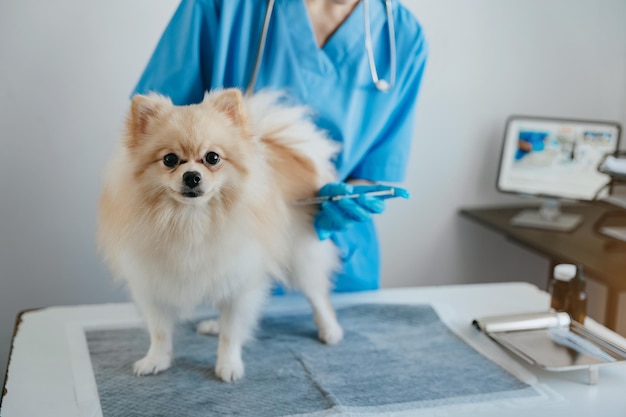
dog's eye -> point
(170, 160)
(212, 158)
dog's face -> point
(189, 153)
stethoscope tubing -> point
(380, 84)
(261, 47)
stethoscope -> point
(381, 85)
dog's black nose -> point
(192, 179)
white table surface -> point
(47, 376)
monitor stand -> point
(549, 217)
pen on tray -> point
(321, 199)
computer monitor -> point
(555, 159)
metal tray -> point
(552, 341)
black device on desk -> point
(555, 159)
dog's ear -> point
(230, 101)
(143, 110)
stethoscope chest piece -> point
(383, 85)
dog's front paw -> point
(331, 334)
(210, 327)
(152, 364)
(229, 371)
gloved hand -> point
(337, 215)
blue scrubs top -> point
(213, 44)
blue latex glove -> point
(337, 215)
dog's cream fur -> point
(225, 245)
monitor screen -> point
(556, 157)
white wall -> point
(68, 66)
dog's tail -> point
(274, 120)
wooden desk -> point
(603, 258)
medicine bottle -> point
(560, 288)
(578, 297)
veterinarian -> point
(357, 63)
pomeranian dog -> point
(198, 207)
